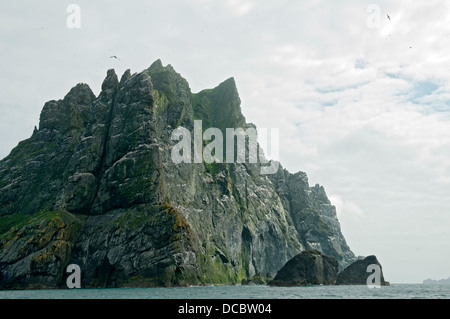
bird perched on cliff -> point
(388, 17)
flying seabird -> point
(114, 57)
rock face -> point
(95, 185)
(357, 273)
(307, 268)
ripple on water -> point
(395, 291)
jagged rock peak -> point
(111, 81)
(68, 113)
(221, 106)
(229, 85)
(80, 95)
(126, 75)
(320, 193)
(156, 66)
(228, 89)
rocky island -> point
(357, 272)
(95, 186)
(307, 268)
(311, 267)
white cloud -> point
(240, 7)
(345, 209)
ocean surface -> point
(395, 291)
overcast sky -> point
(361, 100)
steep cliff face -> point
(95, 185)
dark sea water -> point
(395, 291)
